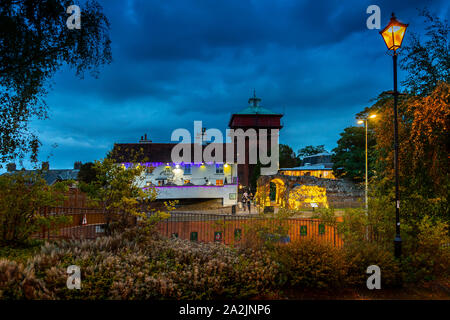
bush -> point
(359, 257)
(310, 263)
(118, 267)
(428, 252)
(18, 282)
(22, 195)
(20, 253)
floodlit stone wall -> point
(335, 193)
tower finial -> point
(254, 101)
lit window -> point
(187, 169)
(186, 181)
(219, 168)
(219, 182)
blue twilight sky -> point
(176, 61)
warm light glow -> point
(372, 116)
(360, 121)
(303, 196)
(393, 33)
(225, 165)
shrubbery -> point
(311, 264)
(427, 253)
(22, 196)
(119, 267)
(136, 264)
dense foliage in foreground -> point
(134, 266)
(124, 267)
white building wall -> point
(228, 193)
(200, 175)
(203, 177)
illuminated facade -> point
(204, 180)
(318, 165)
(193, 180)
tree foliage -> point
(310, 151)
(349, 155)
(427, 62)
(288, 159)
(23, 195)
(34, 43)
(120, 192)
(424, 149)
(87, 173)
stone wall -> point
(340, 193)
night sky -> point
(176, 61)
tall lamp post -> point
(365, 122)
(393, 35)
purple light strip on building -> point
(199, 186)
(159, 164)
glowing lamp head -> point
(360, 121)
(372, 116)
(225, 165)
(393, 33)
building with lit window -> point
(200, 180)
(318, 165)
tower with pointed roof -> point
(257, 117)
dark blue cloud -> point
(178, 61)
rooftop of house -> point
(156, 152)
(51, 176)
(320, 166)
(318, 155)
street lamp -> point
(365, 122)
(393, 37)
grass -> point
(20, 253)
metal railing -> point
(235, 229)
(85, 223)
(226, 228)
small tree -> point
(22, 196)
(119, 191)
(348, 159)
(288, 159)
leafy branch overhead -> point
(35, 43)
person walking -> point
(245, 199)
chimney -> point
(45, 166)
(144, 139)
(11, 167)
(77, 165)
